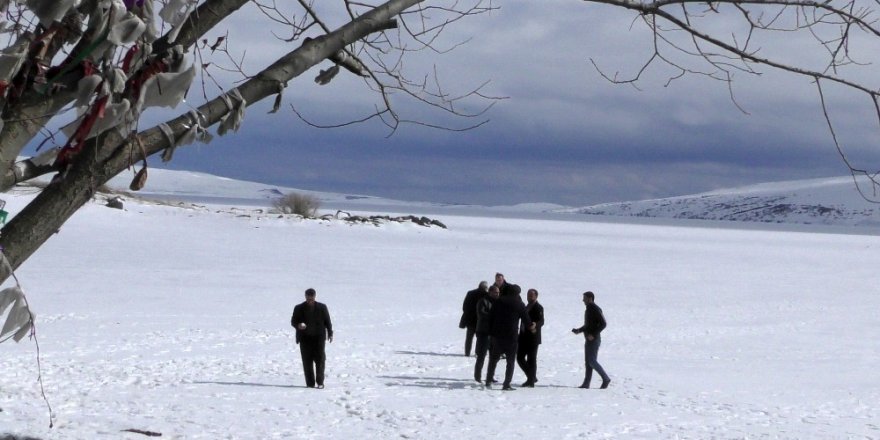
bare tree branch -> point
(833, 26)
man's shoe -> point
(508, 388)
(605, 383)
(488, 385)
(477, 378)
(528, 384)
(584, 385)
(320, 386)
(492, 380)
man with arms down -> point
(312, 323)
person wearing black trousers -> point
(527, 347)
(504, 324)
(469, 314)
(484, 306)
(311, 320)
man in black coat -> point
(594, 323)
(484, 307)
(469, 314)
(527, 347)
(311, 320)
(504, 322)
(504, 288)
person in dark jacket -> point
(504, 288)
(484, 306)
(311, 320)
(594, 323)
(527, 346)
(469, 314)
(504, 323)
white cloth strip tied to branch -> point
(116, 114)
(117, 80)
(11, 59)
(175, 13)
(50, 11)
(20, 321)
(278, 97)
(127, 30)
(232, 119)
(166, 89)
(85, 88)
(195, 131)
(350, 63)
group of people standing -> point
(503, 325)
(506, 327)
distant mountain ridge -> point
(827, 201)
(832, 201)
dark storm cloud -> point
(564, 135)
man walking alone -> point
(311, 320)
(594, 323)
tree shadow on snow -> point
(428, 353)
(246, 384)
(430, 382)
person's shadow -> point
(430, 382)
(427, 353)
(246, 384)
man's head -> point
(494, 293)
(513, 289)
(532, 295)
(499, 279)
(589, 297)
(310, 295)
(483, 286)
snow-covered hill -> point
(189, 186)
(830, 201)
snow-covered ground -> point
(176, 320)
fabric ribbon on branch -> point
(341, 58)
(232, 119)
(50, 11)
(175, 13)
(19, 321)
(166, 89)
(278, 97)
(195, 131)
(75, 142)
(128, 29)
(350, 63)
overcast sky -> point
(563, 135)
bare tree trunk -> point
(98, 162)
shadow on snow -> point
(428, 353)
(246, 384)
(431, 382)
